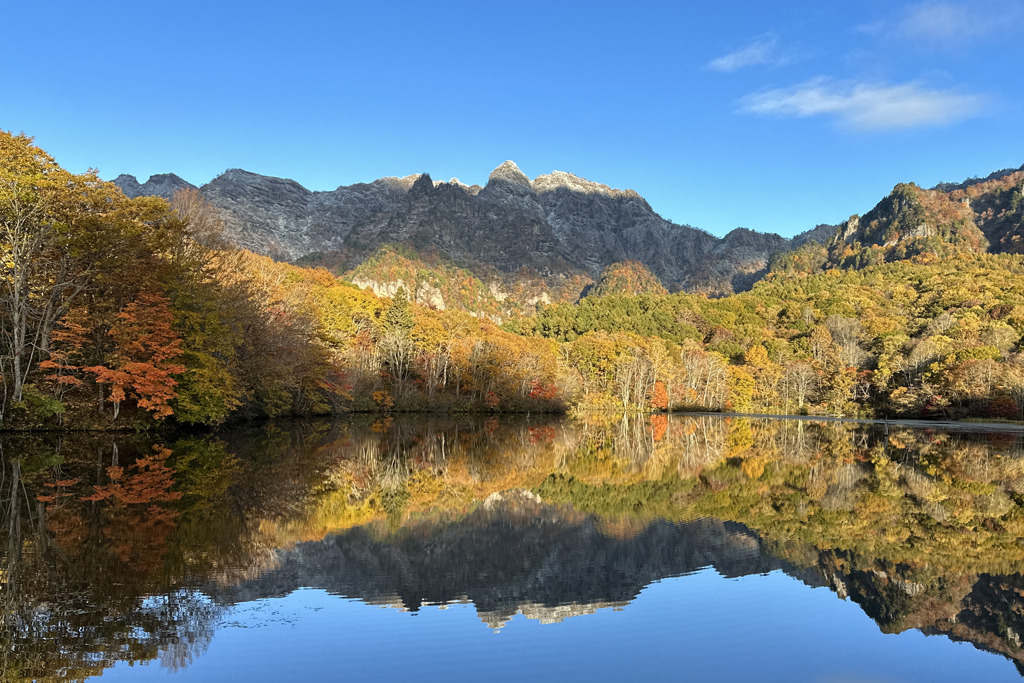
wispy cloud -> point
(944, 24)
(866, 106)
(763, 50)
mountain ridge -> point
(558, 224)
(566, 229)
(980, 215)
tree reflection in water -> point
(119, 549)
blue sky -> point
(772, 116)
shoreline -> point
(979, 426)
(947, 425)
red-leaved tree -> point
(66, 343)
(143, 365)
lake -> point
(698, 548)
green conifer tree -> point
(398, 316)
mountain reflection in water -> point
(119, 549)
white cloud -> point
(866, 106)
(944, 24)
(763, 50)
(942, 21)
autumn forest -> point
(124, 313)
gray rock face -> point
(738, 260)
(160, 185)
(556, 224)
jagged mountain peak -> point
(912, 220)
(404, 183)
(423, 185)
(128, 183)
(509, 172)
(563, 227)
(549, 182)
(452, 181)
(238, 177)
(159, 185)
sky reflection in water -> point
(681, 549)
(700, 627)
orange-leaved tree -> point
(657, 396)
(144, 363)
(67, 340)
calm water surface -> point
(680, 548)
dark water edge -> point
(173, 428)
(126, 548)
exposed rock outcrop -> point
(160, 185)
(557, 225)
(966, 218)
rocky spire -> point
(508, 172)
(423, 185)
(129, 184)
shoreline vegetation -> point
(129, 314)
(964, 425)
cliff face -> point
(738, 260)
(998, 207)
(558, 225)
(971, 217)
(567, 229)
(908, 222)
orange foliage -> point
(66, 342)
(144, 364)
(658, 396)
(659, 425)
(383, 399)
(150, 482)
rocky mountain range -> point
(557, 225)
(552, 237)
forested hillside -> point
(122, 313)
(920, 337)
(126, 313)
(977, 216)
